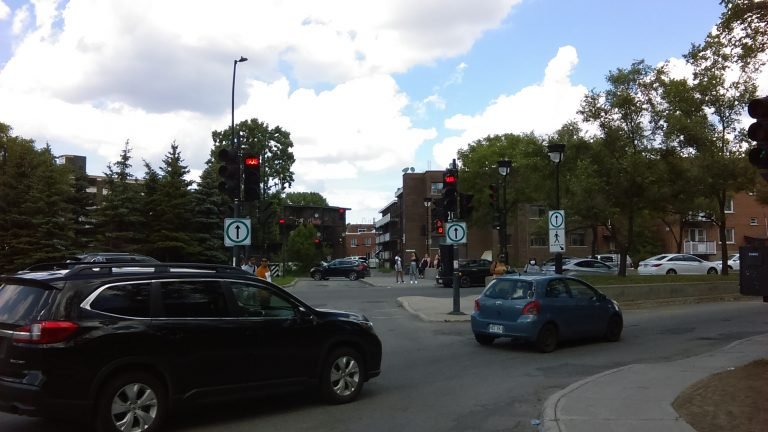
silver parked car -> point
(581, 267)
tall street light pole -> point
(505, 166)
(427, 205)
(556, 153)
(236, 147)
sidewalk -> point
(634, 398)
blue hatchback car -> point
(544, 309)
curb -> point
(407, 307)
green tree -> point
(210, 208)
(36, 217)
(628, 127)
(274, 147)
(301, 248)
(306, 199)
(120, 214)
(172, 213)
(720, 96)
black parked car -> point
(471, 272)
(121, 343)
(343, 267)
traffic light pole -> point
(236, 147)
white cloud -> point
(20, 20)
(541, 108)
(87, 75)
(5, 11)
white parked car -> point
(733, 263)
(676, 264)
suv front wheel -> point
(341, 377)
(131, 402)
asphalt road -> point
(435, 377)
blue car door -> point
(590, 308)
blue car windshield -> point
(510, 289)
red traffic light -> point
(449, 178)
(251, 161)
(281, 221)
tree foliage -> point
(311, 199)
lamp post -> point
(427, 205)
(236, 147)
(505, 166)
(556, 153)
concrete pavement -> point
(633, 398)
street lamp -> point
(505, 166)
(236, 148)
(556, 153)
(427, 204)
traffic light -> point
(281, 223)
(465, 205)
(251, 177)
(439, 229)
(229, 171)
(493, 195)
(450, 192)
(342, 214)
(758, 131)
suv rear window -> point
(20, 304)
(128, 300)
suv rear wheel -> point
(131, 402)
(341, 377)
(352, 276)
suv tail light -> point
(360, 267)
(45, 332)
(532, 308)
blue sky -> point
(365, 88)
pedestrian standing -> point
(250, 266)
(423, 265)
(436, 263)
(399, 269)
(263, 271)
(499, 267)
(413, 269)
(532, 266)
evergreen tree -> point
(210, 208)
(120, 215)
(172, 238)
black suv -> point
(471, 272)
(123, 343)
(342, 267)
(112, 257)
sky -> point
(367, 89)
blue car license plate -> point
(495, 328)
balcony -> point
(382, 238)
(699, 248)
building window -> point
(730, 235)
(697, 235)
(753, 221)
(539, 241)
(577, 239)
(729, 205)
(353, 242)
(436, 188)
(537, 212)
(361, 230)
(368, 241)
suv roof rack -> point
(76, 268)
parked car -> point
(342, 267)
(112, 257)
(583, 267)
(612, 260)
(471, 272)
(117, 345)
(544, 309)
(733, 263)
(675, 264)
